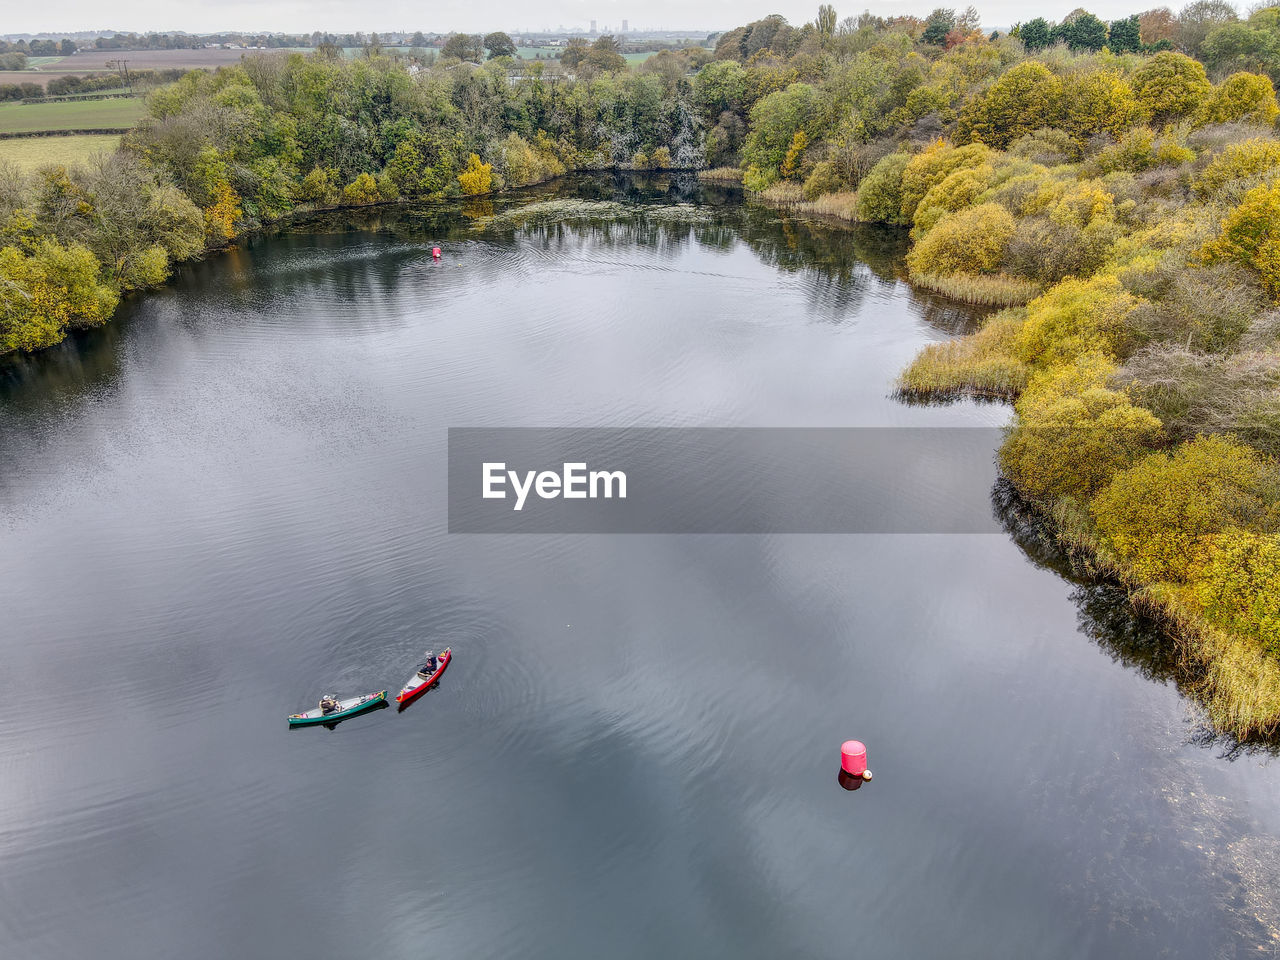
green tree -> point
(606, 55)
(1197, 20)
(464, 46)
(1084, 32)
(1035, 34)
(775, 121)
(499, 44)
(1125, 36)
(941, 22)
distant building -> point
(624, 26)
(593, 26)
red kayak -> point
(420, 682)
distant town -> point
(544, 41)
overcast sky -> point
(343, 16)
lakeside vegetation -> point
(1114, 187)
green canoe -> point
(345, 709)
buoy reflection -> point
(849, 781)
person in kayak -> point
(428, 667)
(328, 704)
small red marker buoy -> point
(435, 253)
(853, 759)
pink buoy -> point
(435, 253)
(853, 757)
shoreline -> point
(1203, 649)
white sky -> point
(343, 16)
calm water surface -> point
(232, 500)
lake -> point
(233, 499)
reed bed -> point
(1239, 688)
(982, 364)
(730, 175)
(993, 290)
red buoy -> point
(435, 253)
(853, 757)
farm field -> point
(70, 115)
(95, 61)
(31, 152)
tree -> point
(720, 86)
(464, 46)
(775, 121)
(826, 22)
(941, 22)
(1083, 32)
(1253, 46)
(477, 178)
(1025, 98)
(1197, 20)
(1155, 26)
(1125, 36)
(575, 52)
(606, 56)
(1035, 34)
(499, 44)
(1170, 86)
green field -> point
(31, 152)
(550, 53)
(70, 115)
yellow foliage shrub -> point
(968, 241)
(477, 178)
(1238, 585)
(1083, 204)
(1239, 161)
(223, 215)
(1242, 96)
(1073, 434)
(1251, 236)
(1073, 318)
(48, 289)
(1159, 516)
(956, 191)
(933, 165)
(363, 189)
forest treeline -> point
(1114, 187)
